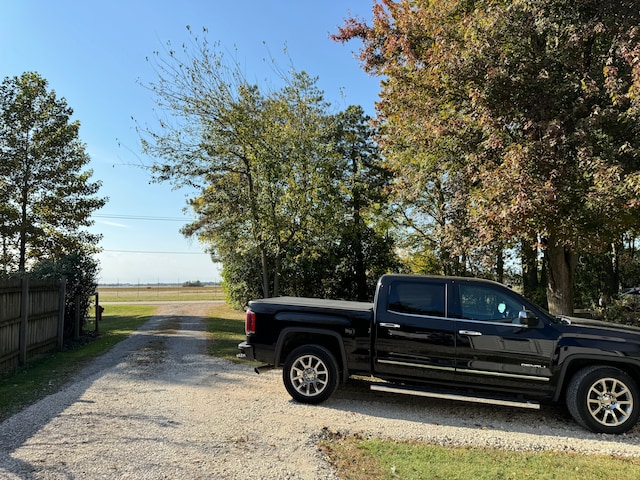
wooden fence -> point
(31, 320)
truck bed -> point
(360, 310)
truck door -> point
(493, 348)
(414, 339)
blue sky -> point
(94, 55)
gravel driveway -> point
(156, 406)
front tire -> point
(310, 374)
(603, 399)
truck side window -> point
(479, 302)
(418, 298)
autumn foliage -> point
(510, 123)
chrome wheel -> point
(603, 399)
(610, 402)
(310, 374)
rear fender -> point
(288, 335)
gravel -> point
(156, 406)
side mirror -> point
(527, 318)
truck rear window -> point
(418, 298)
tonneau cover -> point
(305, 304)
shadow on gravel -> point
(139, 350)
(159, 350)
(13, 436)
(549, 421)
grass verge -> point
(375, 459)
(226, 330)
(26, 385)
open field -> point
(148, 293)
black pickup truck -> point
(455, 339)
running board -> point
(382, 387)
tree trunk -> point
(500, 264)
(265, 273)
(616, 248)
(610, 277)
(22, 252)
(561, 264)
(5, 253)
(530, 282)
(276, 275)
(24, 202)
(360, 268)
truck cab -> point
(467, 331)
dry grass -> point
(147, 293)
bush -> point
(81, 272)
(623, 311)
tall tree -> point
(286, 190)
(259, 159)
(47, 198)
(365, 250)
(536, 102)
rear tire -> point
(310, 374)
(603, 399)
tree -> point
(353, 248)
(536, 105)
(46, 197)
(365, 250)
(284, 187)
(259, 160)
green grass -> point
(226, 330)
(375, 459)
(26, 385)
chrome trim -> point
(465, 398)
(501, 374)
(484, 322)
(471, 333)
(454, 319)
(464, 370)
(419, 315)
(417, 365)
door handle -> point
(471, 333)
(389, 325)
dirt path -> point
(157, 406)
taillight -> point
(250, 322)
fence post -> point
(61, 298)
(24, 319)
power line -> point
(145, 217)
(164, 253)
